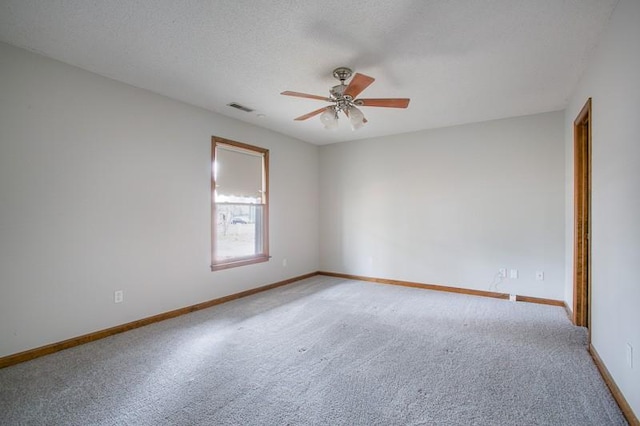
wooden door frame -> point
(582, 217)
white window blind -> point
(239, 175)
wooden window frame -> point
(217, 265)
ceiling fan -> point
(343, 98)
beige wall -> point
(450, 206)
(104, 186)
(612, 80)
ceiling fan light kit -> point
(344, 100)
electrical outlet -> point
(512, 297)
(502, 272)
(629, 355)
(513, 274)
(540, 276)
(284, 262)
(118, 296)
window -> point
(239, 205)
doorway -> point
(582, 217)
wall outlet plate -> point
(512, 297)
(540, 276)
(118, 296)
(513, 274)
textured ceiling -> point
(458, 61)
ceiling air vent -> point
(240, 107)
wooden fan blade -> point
(385, 102)
(311, 114)
(359, 82)
(305, 95)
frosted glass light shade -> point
(329, 118)
(356, 117)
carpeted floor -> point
(325, 351)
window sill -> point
(239, 262)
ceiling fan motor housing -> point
(337, 91)
(342, 101)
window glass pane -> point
(238, 230)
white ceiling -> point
(459, 61)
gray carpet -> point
(325, 351)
